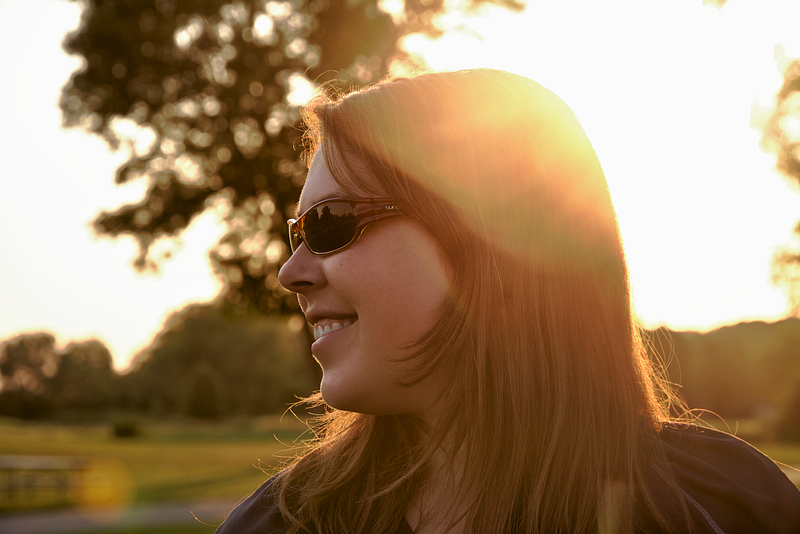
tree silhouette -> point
(203, 93)
(203, 401)
(85, 378)
(36, 380)
(209, 363)
(782, 136)
(27, 363)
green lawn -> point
(179, 529)
(177, 461)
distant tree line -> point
(748, 370)
(206, 363)
(210, 362)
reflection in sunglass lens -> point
(330, 226)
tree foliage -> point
(26, 364)
(85, 379)
(37, 379)
(748, 370)
(203, 92)
(209, 364)
(782, 136)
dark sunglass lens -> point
(330, 226)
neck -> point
(440, 504)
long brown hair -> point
(552, 405)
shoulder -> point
(728, 484)
(258, 513)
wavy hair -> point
(553, 405)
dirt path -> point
(65, 521)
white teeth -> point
(320, 330)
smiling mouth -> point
(328, 326)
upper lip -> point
(314, 316)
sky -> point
(668, 92)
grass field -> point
(175, 461)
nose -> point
(302, 271)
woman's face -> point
(384, 292)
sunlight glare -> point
(186, 35)
(668, 94)
(300, 89)
(394, 8)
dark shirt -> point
(729, 487)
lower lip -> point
(321, 342)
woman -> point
(459, 259)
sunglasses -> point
(335, 224)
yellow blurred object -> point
(105, 484)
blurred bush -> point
(126, 427)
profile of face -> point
(371, 302)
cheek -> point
(405, 295)
(400, 319)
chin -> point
(338, 397)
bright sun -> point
(670, 94)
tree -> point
(36, 379)
(27, 363)
(204, 93)
(202, 399)
(209, 363)
(85, 379)
(782, 135)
